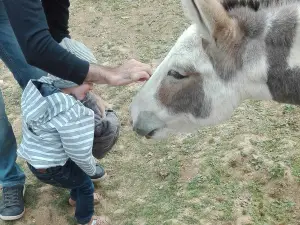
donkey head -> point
(198, 83)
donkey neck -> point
(274, 53)
(275, 79)
(284, 85)
(280, 86)
(283, 53)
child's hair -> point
(78, 49)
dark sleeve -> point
(29, 23)
(57, 15)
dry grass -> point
(246, 171)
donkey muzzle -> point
(147, 124)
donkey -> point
(233, 51)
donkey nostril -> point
(147, 123)
(151, 134)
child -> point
(64, 128)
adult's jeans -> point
(12, 56)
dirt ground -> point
(245, 171)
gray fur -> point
(276, 3)
(190, 98)
(256, 4)
(227, 64)
(283, 81)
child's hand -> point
(79, 92)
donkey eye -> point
(176, 75)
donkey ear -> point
(213, 20)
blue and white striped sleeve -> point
(76, 130)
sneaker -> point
(100, 174)
(99, 220)
(12, 203)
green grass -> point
(61, 198)
(295, 164)
(32, 195)
(247, 166)
(276, 172)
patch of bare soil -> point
(41, 213)
(241, 152)
(189, 170)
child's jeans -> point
(70, 176)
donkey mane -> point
(232, 4)
(255, 4)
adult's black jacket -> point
(39, 43)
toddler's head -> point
(68, 87)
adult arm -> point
(30, 26)
(29, 23)
(57, 14)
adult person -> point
(12, 178)
(30, 21)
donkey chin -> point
(163, 123)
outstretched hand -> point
(130, 72)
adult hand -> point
(130, 72)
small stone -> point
(2, 84)
(149, 154)
(220, 199)
(140, 201)
(244, 220)
(163, 174)
(119, 211)
(211, 141)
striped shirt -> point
(56, 128)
